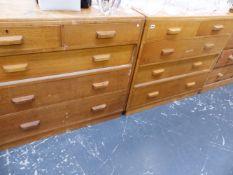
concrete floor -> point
(189, 137)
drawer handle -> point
(218, 27)
(23, 100)
(101, 85)
(11, 40)
(153, 94)
(99, 108)
(197, 64)
(166, 52)
(173, 31)
(158, 72)
(105, 34)
(30, 125)
(191, 84)
(230, 57)
(15, 68)
(100, 58)
(220, 75)
(209, 46)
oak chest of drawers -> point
(62, 70)
(176, 56)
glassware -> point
(108, 6)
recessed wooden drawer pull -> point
(209, 46)
(99, 108)
(220, 75)
(166, 52)
(197, 64)
(101, 85)
(11, 40)
(230, 57)
(105, 34)
(15, 68)
(153, 94)
(158, 72)
(191, 84)
(23, 100)
(100, 58)
(174, 31)
(30, 125)
(218, 27)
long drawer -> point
(230, 43)
(225, 59)
(104, 34)
(170, 50)
(36, 65)
(220, 74)
(19, 39)
(32, 122)
(155, 91)
(25, 96)
(166, 70)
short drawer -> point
(172, 50)
(220, 74)
(41, 120)
(19, 39)
(215, 27)
(166, 70)
(44, 64)
(230, 43)
(92, 35)
(225, 59)
(153, 92)
(25, 96)
(171, 29)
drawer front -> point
(92, 35)
(31, 122)
(171, 29)
(36, 65)
(165, 70)
(19, 39)
(230, 43)
(220, 74)
(25, 96)
(225, 59)
(215, 27)
(171, 50)
(143, 94)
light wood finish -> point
(61, 62)
(166, 70)
(217, 84)
(225, 59)
(165, 89)
(215, 27)
(25, 124)
(220, 74)
(170, 29)
(92, 35)
(171, 50)
(230, 43)
(29, 38)
(25, 96)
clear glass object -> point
(108, 6)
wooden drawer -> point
(171, 50)
(36, 65)
(32, 122)
(25, 96)
(166, 70)
(18, 39)
(172, 28)
(215, 27)
(225, 59)
(92, 35)
(155, 91)
(230, 43)
(220, 74)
